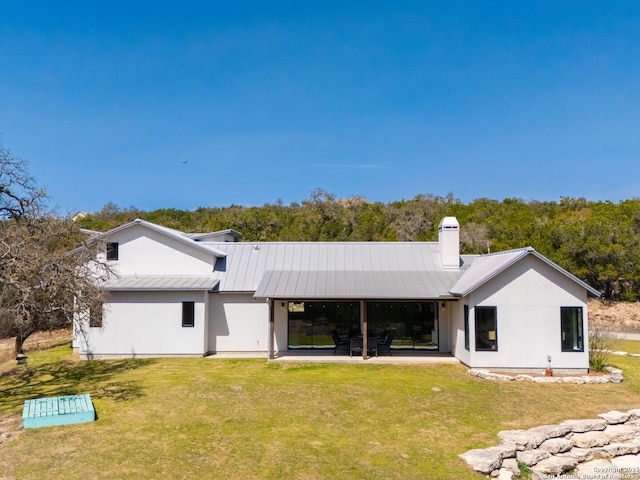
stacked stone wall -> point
(604, 447)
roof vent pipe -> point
(449, 242)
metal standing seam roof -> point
(334, 269)
(360, 284)
(409, 270)
(161, 283)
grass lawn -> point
(248, 419)
(629, 346)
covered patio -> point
(321, 315)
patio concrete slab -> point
(398, 358)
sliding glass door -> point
(413, 325)
(315, 324)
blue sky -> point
(269, 100)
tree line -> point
(598, 241)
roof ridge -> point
(513, 250)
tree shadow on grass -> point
(96, 378)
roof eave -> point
(159, 289)
(526, 251)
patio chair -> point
(384, 344)
(340, 343)
(355, 346)
(372, 345)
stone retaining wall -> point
(614, 375)
(605, 447)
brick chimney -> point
(449, 242)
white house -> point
(197, 294)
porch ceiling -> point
(354, 284)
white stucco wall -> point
(458, 349)
(146, 324)
(281, 318)
(143, 251)
(444, 328)
(528, 297)
(237, 323)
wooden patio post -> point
(363, 317)
(272, 332)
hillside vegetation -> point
(596, 241)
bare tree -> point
(43, 285)
(411, 218)
(44, 282)
(475, 238)
(19, 195)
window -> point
(571, 326)
(188, 317)
(413, 325)
(112, 251)
(466, 327)
(486, 328)
(313, 324)
(95, 318)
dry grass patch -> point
(36, 342)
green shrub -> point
(600, 344)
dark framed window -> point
(112, 251)
(188, 314)
(571, 329)
(486, 329)
(466, 327)
(95, 318)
